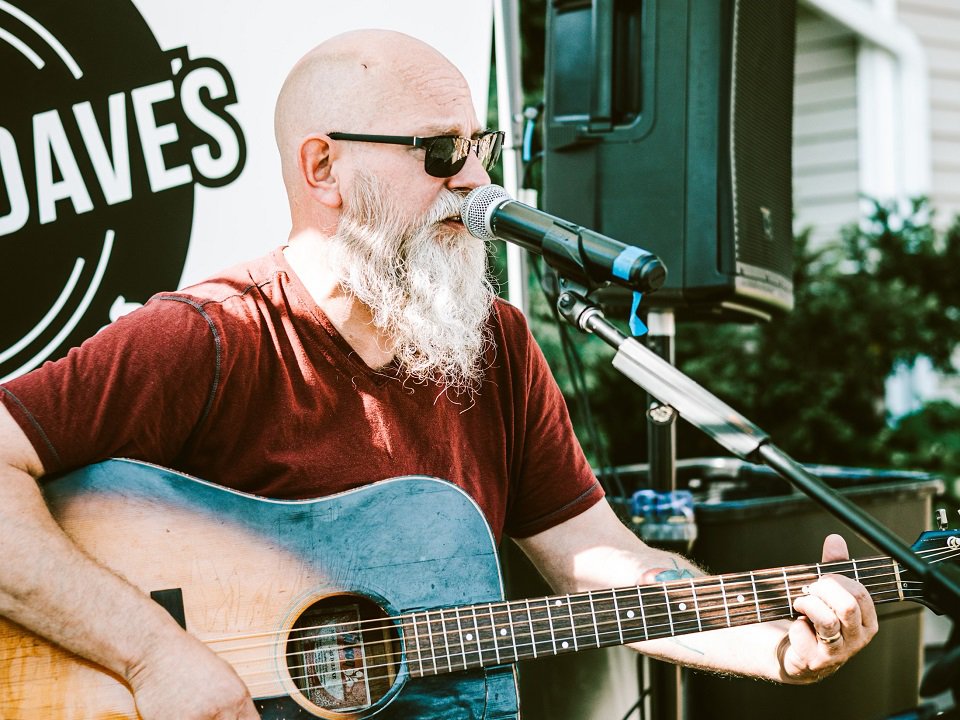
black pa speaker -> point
(669, 126)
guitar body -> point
(246, 574)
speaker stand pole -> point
(666, 688)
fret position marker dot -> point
(564, 644)
(739, 598)
(502, 631)
(682, 606)
(558, 603)
(630, 613)
(469, 636)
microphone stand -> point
(666, 679)
(741, 437)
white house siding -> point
(936, 24)
(825, 143)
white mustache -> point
(446, 207)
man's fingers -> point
(838, 604)
(835, 549)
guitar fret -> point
(856, 574)
(643, 615)
(696, 605)
(616, 610)
(726, 605)
(460, 637)
(593, 616)
(493, 629)
(573, 625)
(476, 628)
(756, 598)
(533, 635)
(708, 604)
(561, 618)
(513, 633)
(666, 596)
(446, 642)
(416, 637)
(436, 670)
(786, 584)
(553, 637)
(514, 625)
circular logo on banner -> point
(102, 138)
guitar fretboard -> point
(474, 636)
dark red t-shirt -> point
(241, 380)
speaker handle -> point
(601, 94)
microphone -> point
(575, 252)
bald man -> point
(370, 345)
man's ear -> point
(316, 168)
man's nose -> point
(471, 175)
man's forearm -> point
(52, 588)
(749, 650)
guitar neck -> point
(474, 636)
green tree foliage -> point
(814, 378)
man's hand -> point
(181, 678)
(839, 619)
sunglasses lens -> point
(489, 148)
(446, 156)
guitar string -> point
(584, 632)
(544, 645)
(730, 581)
(447, 664)
(730, 586)
(713, 603)
(691, 624)
(770, 575)
(461, 641)
(450, 667)
(523, 638)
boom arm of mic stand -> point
(741, 437)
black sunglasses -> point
(445, 154)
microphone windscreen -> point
(477, 208)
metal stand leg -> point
(666, 697)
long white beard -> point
(426, 284)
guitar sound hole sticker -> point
(343, 654)
(333, 673)
(103, 136)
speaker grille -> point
(761, 120)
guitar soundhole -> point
(343, 653)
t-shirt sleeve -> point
(555, 481)
(136, 389)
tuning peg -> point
(942, 519)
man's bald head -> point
(360, 81)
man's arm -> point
(595, 550)
(51, 587)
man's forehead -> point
(433, 99)
(439, 129)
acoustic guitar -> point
(386, 600)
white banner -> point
(136, 144)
